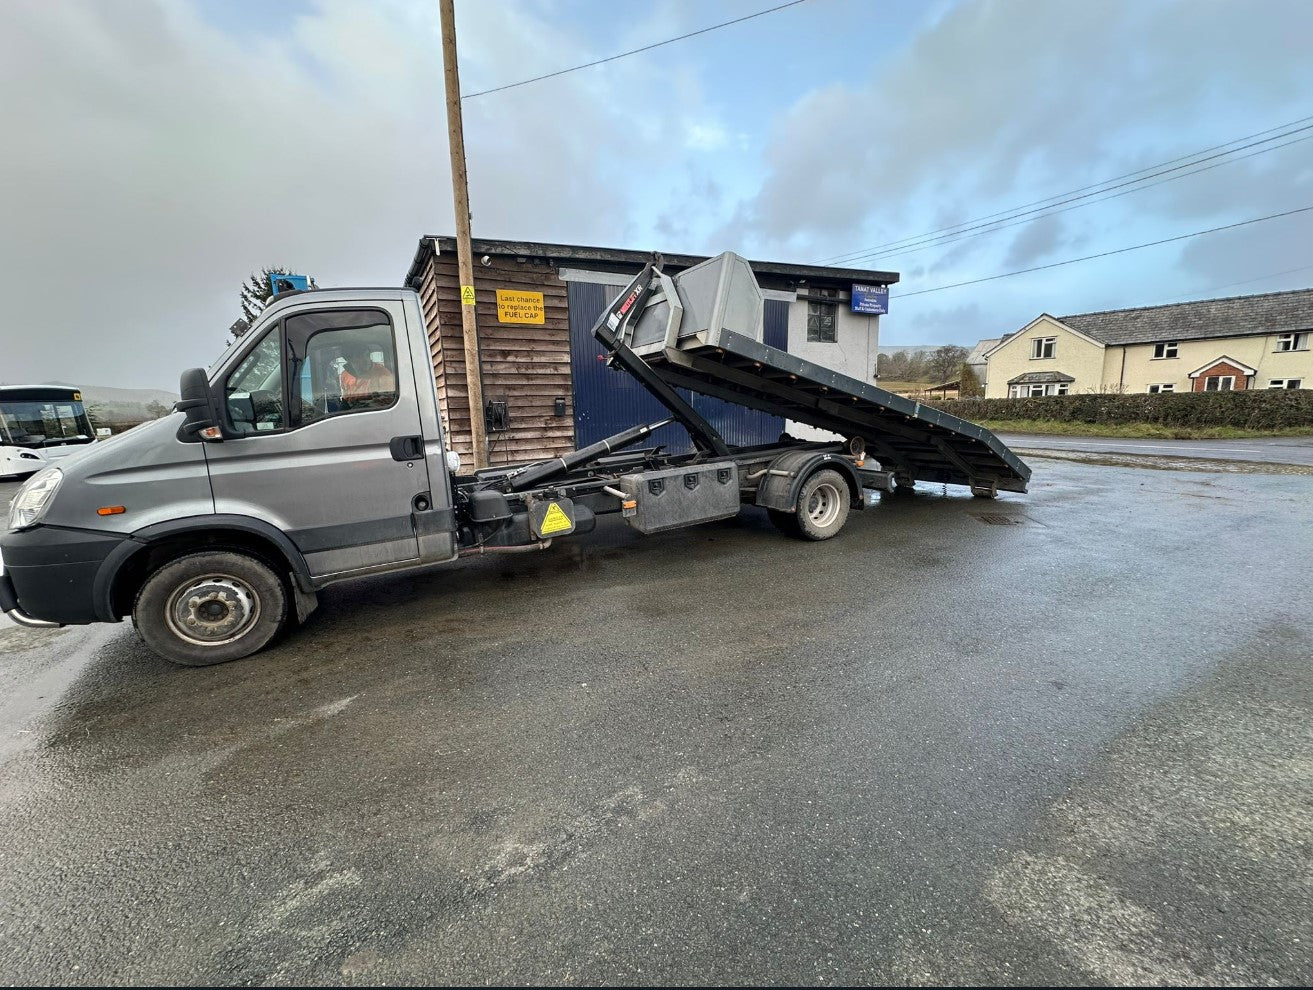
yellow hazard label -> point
(467, 295)
(556, 521)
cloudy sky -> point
(157, 151)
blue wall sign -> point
(871, 299)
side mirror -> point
(204, 420)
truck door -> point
(324, 437)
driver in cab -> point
(366, 381)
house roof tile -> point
(1236, 316)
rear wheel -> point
(210, 607)
(823, 505)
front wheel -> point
(823, 505)
(210, 607)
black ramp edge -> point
(921, 441)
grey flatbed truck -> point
(312, 452)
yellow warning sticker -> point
(556, 521)
(467, 295)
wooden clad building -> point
(533, 345)
(526, 364)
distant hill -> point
(124, 396)
(909, 348)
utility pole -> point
(464, 255)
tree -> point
(916, 367)
(970, 387)
(156, 409)
(255, 295)
(943, 361)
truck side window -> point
(253, 393)
(346, 369)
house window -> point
(1219, 383)
(1164, 387)
(1043, 347)
(1286, 383)
(1292, 341)
(1167, 349)
(1031, 391)
(821, 322)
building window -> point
(1043, 347)
(1032, 391)
(1286, 383)
(1167, 349)
(821, 322)
(1292, 341)
(1165, 387)
(1219, 383)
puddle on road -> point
(37, 668)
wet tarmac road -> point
(1259, 450)
(1061, 737)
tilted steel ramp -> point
(909, 438)
(702, 330)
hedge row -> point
(1256, 409)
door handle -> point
(406, 448)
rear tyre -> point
(823, 504)
(210, 607)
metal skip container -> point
(693, 308)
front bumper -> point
(48, 574)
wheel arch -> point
(127, 567)
(780, 490)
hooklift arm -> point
(610, 332)
(541, 471)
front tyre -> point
(823, 505)
(210, 607)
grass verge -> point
(1136, 431)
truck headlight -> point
(33, 498)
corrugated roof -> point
(1235, 316)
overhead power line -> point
(635, 51)
(1091, 190)
(954, 238)
(1105, 254)
(1261, 278)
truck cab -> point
(321, 457)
